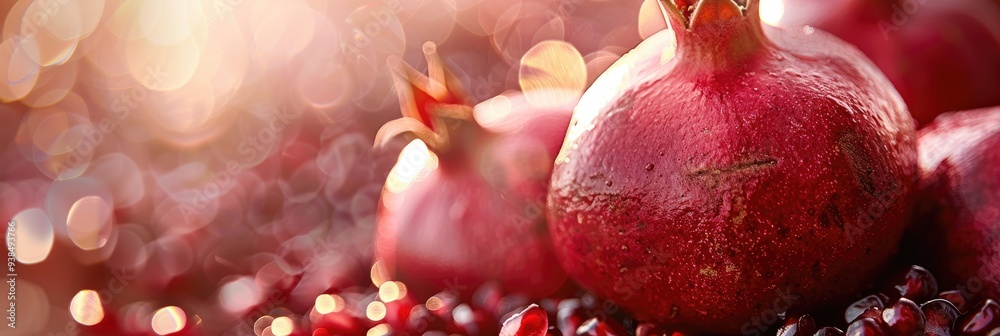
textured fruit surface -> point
(753, 169)
(960, 201)
(465, 205)
(940, 55)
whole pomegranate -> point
(758, 170)
(959, 227)
(940, 55)
(465, 204)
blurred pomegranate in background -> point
(942, 55)
(958, 227)
(465, 202)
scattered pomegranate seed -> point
(859, 307)
(940, 315)
(980, 320)
(904, 318)
(798, 326)
(532, 321)
(956, 298)
(829, 331)
(917, 284)
(866, 326)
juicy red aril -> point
(865, 326)
(904, 318)
(980, 320)
(829, 331)
(570, 316)
(532, 321)
(939, 315)
(798, 326)
(873, 313)
(648, 329)
(917, 284)
(596, 327)
(858, 307)
(956, 298)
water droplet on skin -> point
(661, 153)
(808, 30)
(649, 167)
(608, 183)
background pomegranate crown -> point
(432, 105)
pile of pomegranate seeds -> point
(912, 306)
(909, 305)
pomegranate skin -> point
(465, 205)
(957, 228)
(750, 174)
(940, 55)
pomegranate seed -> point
(865, 326)
(829, 331)
(648, 329)
(859, 307)
(904, 317)
(956, 298)
(980, 320)
(940, 315)
(994, 332)
(798, 326)
(917, 284)
(570, 316)
(873, 313)
(596, 327)
(532, 321)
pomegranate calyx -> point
(715, 32)
(433, 105)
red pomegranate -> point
(941, 55)
(759, 170)
(465, 204)
(959, 222)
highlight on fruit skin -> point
(464, 204)
(757, 164)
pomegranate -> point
(758, 170)
(959, 164)
(465, 204)
(940, 55)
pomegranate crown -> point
(432, 105)
(715, 32)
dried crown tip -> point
(425, 100)
(694, 12)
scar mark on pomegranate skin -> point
(744, 167)
(861, 165)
